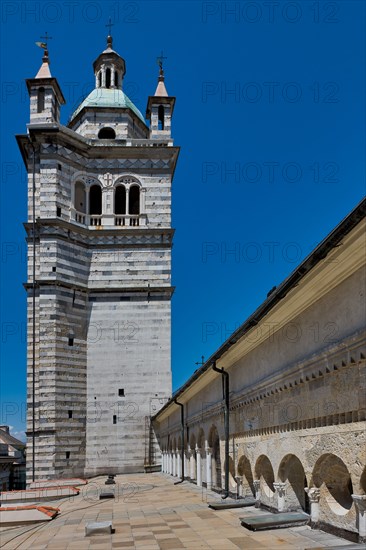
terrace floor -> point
(150, 512)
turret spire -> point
(161, 89)
(44, 71)
(109, 37)
(160, 107)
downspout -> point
(33, 313)
(182, 452)
(226, 425)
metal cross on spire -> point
(46, 38)
(160, 60)
(110, 25)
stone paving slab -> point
(274, 521)
(227, 504)
(18, 515)
(38, 495)
(149, 512)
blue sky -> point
(270, 117)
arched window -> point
(108, 78)
(134, 200)
(107, 133)
(120, 200)
(116, 79)
(95, 200)
(161, 117)
(40, 100)
(80, 197)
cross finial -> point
(160, 60)
(46, 38)
(202, 362)
(110, 25)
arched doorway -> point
(95, 204)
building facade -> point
(99, 273)
(279, 410)
(12, 461)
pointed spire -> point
(44, 71)
(161, 89)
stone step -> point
(34, 495)
(231, 503)
(19, 515)
(274, 521)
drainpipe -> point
(182, 452)
(227, 426)
(33, 311)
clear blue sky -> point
(270, 117)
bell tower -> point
(99, 301)
(160, 109)
(45, 94)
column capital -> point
(360, 503)
(313, 493)
(280, 488)
(257, 484)
(208, 449)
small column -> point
(314, 497)
(209, 468)
(360, 503)
(142, 200)
(239, 486)
(199, 466)
(127, 201)
(257, 488)
(112, 77)
(87, 207)
(186, 464)
(170, 471)
(192, 465)
(179, 464)
(281, 492)
(174, 463)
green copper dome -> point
(108, 97)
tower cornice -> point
(99, 233)
(89, 148)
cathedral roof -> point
(109, 98)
